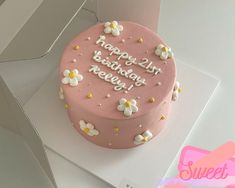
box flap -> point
(14, 119)
(42, 30)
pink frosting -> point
(102, 111)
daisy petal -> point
(115, 32)
(75, 71)
(82, 124)
(114, 22)
(65, 80)
(134, 108)
(79, 77)
(147, 134)
(127, 112)
(133, 101)
(164, 55)
(158, 51)
(90, 133)
(160, 46)
(120, 27)
(94, 132)
(73, 82)
(175, 96)
(107, 30)
(107, 24)
(177, 85)
(122, 100)
(170, 54)
(66, 72)
(139, 138)
(90, 126)
(121, 107)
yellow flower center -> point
(145, 139)
(72, 75)
(86, 130)
(128, 104)
(165, 49)
(113, 25)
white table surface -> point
(202, 34)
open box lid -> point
(38, 35)
(14, 119)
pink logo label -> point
(204, 168)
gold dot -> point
(162, 117)
(66, 106)
(89, 95)
(116, 129)
(179, 90)
(76, 47)
(151, 100)
(140, 40)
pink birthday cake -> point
(118, 81)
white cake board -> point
(142, 166)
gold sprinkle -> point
(76, 47)
(116, 129)
(89, 95)
(151, 100)
(140, 40)
(66, 106)
(162, 117)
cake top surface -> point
(117, 70)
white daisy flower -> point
(88, 128)
(61, 93)
(127, 106)
(163, 52)
(143, 138)
(113, 27)
(176, 91)
(72, 77)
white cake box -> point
(13, 118)
(142, 166)
(117, 167)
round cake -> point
(118, 80)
